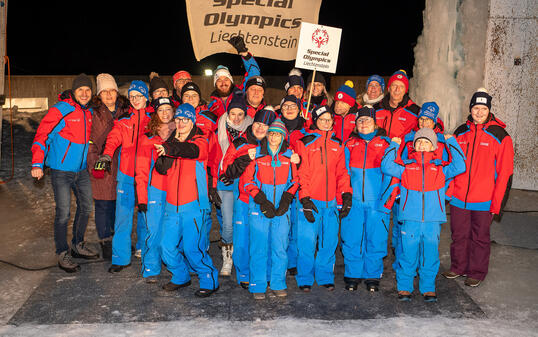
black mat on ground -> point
(516, 229)
(96, 296)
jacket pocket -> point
(405, 202)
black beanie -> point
(238, 101)
(367, 111)
(156, 83)
(265, 116)
(319, 78)
(320, 111)
(255, 80)
(191, 86)
(480, 97)
(81, 80)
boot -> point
(83, 251)
(227, 262)
(106, 249)
(66, 263)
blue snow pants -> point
(184, 243)
(151, 250)
(364, 234)
(396, 241)
(323, 234)
(420, 249)
(241, 241)
(292, 247)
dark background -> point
(135, 38)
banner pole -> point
(305, 113)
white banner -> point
(318, 47)
(270, 28)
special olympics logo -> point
(320, 37)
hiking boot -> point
(66, 263)
(450, 274)
(306, 288)
(244, 285)
(404, 296)
(472, 282)
(106, 249)
(280, 293)
(292, 271)
(205, 292)
(173, 287)
(329, 286)
(352, 283)
(115, 268)
(372, 285)
(83, 251)
(227, 261)
(430, 297)
(151, 279)
(258, 296)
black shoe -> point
(292, 271)
(106, 249)
(205, 292)
(352, 283)
(244, 285)
(151, 279)
(404, 298)
(393, 251)
(173, 287)
(306, 288)
(430, 298)
(329, 286)
(117, 268)
(372, 285)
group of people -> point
(289, 182)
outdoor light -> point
(208, 72)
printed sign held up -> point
(318, 47)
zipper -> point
(470, 166)
(362, 236)
(326, 174)
(274, 185)
(364, 170)
(390, 123)
(423, 183)
(405, 202)
(177, 191)
(85, 141)
(66, 150)
(386, 228)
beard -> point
(226, 93)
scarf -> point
(368, 136)
(226, 129)
(366, 100)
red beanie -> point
(181, 74)
(400, 75)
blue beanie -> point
(378, 79)
(238, 101)
(367, 111)
(429, 110)
(265, 116)
(186, 110)
(139, 86)
(346, 93)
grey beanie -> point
(427, 133)
(81, 80)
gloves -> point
(143, 208)
(267, 207)
(103, 163)
(214, 197)
(225, 180)
(285, 202)
(238, 43)
(308, 207)
(346, 205)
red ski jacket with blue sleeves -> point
(399, 121)
(423, 182)
(146, 175)
(62, 139)
(363, 162)
(490, 164)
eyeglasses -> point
(183, 120)
(325, 120)
(365, 120)
(183, 80)
(185, 96)
(161, 91)
(290, 107)
(135, 97)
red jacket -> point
(397, 122)
(146, 175)
(343, 126)
(489, 160)
(322, 172)
(127, 133)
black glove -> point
(346, 205)
(267, 207)
(214, 197)
(103, 163)
(285, 202)
(225, 180)
(238, 43)
(163, 164)
(308, 208)
(143, 208)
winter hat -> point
(279, 127)
(367, 111)
(291, 98)
(378, 79)
(161, 101)
(319, 78)
(294, 78)
(429, 110)
(139, 86)
(181, 74)
(428, 134)
(222, 71)
(238, 101)
(105, 82)
(155, 82)
(482, 97)
(187, 111)
(255, 80)
(320, 111)
(266, 115)
(400, 75)
(191, 86)
(81, 80)
(346, 93)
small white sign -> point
(318, 47)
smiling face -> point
(236, 116)
(289, 110)
(138, 101)
(223, 86)
(374, 90)
(425, 122)
(259, 130)
(341, 108)
(479, 113)
(274, 139)
(108, 97)
(161, 92)
(191, 97)
(183, 125)
(296, 91)
(83, 95)
(397, 91)
(325, 122)
(423, 145)
(255, 95)
(365, 125)
(165, 113)
(318, 89)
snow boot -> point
(404, 296)
(430, 297)
(258, 296)
(205, 292)
(106, 249)
(227, 261)
(292, 271)
(372, 285)
(82, 251)
(329, 286)
(351, 283)
(66, 263)
(115, 268)
(173, 287)
(306, 288)
(244, 285)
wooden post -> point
(3, 18)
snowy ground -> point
(508, 297)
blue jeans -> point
(105, 215)
(227, 209)
(62, 184)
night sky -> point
(59, 38)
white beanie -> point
(105, 82)
(222, 71)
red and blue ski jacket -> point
(363, 162)
(399, 121)
(146, 175)
(62, 138)
(490, 163)
(422, 182)
(127, 133)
